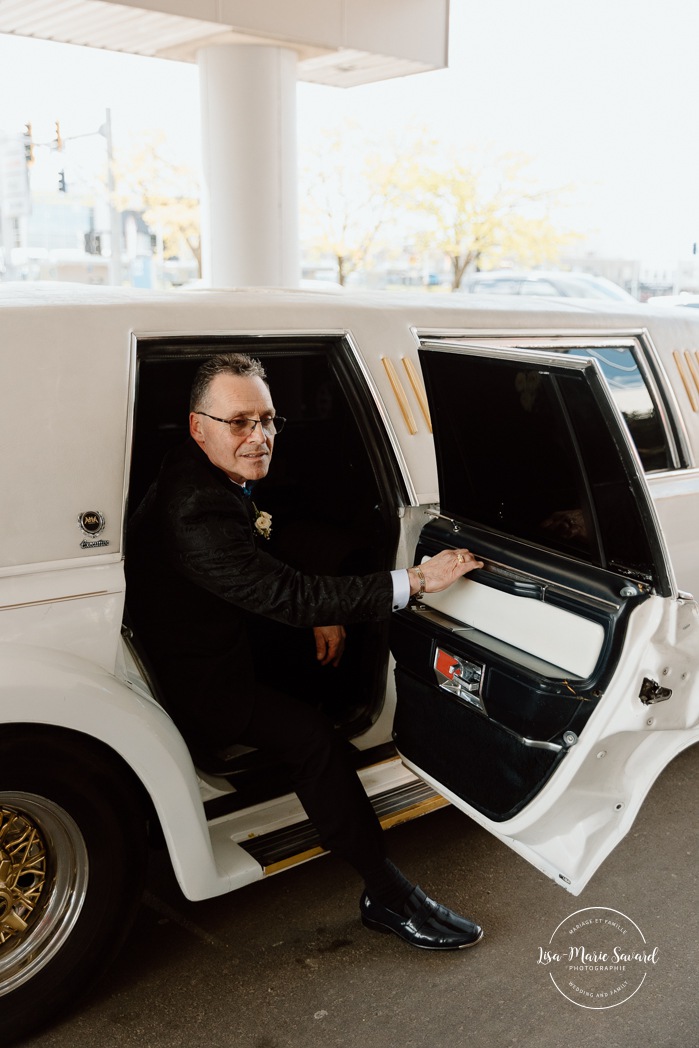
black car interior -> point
(332, 492)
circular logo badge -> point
(597, 958)
(91, 522)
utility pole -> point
(16, 153)
(114, 216)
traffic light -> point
(61, 182)
(28, 145)
(93, 243)
(58, 141)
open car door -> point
(545, 692)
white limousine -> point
(542, 695)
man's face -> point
(241, 458)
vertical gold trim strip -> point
(692, 368)
(685, 383)
(400, 395)
(418, 390)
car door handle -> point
(460, 677)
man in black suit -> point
(196, 576)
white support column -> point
(250, 205)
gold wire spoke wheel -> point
(73, 852)
(44, 872)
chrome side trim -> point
(438, 619)
(55, 600)
(551, 334)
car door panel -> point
(553, 634)
(543, 666)
(507, 681)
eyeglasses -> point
(243, 427)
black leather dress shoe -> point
(429, 925)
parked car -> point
(543, 283)
(542, 695)
(685, 298)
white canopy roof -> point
(339, 42)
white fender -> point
(47, 687)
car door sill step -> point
(291, 845)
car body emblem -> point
(91, 522)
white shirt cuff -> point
(401, 588)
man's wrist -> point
(417, 582)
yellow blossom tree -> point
(349, 193)
(166, 192)
(480, 215)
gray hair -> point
(224, 364)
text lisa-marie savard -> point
(581, 955)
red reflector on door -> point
(446, 663)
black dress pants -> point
(323, 776)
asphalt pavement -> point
(287, 964)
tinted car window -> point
(527, 454)
(497, 286)
(539, 287)
(633, 398)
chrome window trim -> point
(677, 424)
(639, 339)
(655, 479)
(342, 333)
(128, 448)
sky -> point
(600, 94)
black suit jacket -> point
(195, 573)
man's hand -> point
(330, 644)
(440, 571)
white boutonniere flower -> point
(263, 522)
